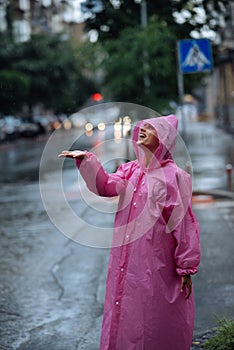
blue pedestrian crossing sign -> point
(195, 55)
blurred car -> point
(11, 127)
(47, 123)
(28, 129)
(78, 120)
(2, 133)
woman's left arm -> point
(187, 250)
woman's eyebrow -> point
(147, 126)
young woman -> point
(149, 302)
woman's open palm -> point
(73, 154)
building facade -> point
(223, 77)
(25, 17)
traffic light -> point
(97, 97)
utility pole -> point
(144, 23)
(144, 19)
(180, 83)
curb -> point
(216, 194)
(200, 339)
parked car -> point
(11, 127)
(28, 129)
(2, 133)
(47, 123)
(78, 120)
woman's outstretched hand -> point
(73, 154)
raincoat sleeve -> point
(187, 251)
(187, 232)
(98, 180)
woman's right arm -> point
(97, 179)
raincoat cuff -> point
(79, 161)
(188, 271)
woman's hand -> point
(73, 154)
(186, 281)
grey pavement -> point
(211, 149)
(52, 288)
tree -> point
(14, 88)
(195, 15)
(56, 80)
(47, 69)
(124, 65)
(124, 40)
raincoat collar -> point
(166, 128)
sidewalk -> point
(211, 149)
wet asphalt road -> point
(52, 289)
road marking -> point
(201, 199)
(213, 204)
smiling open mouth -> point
(141, 136)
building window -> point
(21, 30)
(24, 5)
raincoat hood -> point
(166, 128)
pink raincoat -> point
(156, 241)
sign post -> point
(194, 56)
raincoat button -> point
(122, 269)
(135, 189)
(127, 236)
(117, 303)
(134, 204)
(143, 182)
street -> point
(52, 288)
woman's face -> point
(148, 137)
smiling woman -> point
(149, 301)
(148, 138)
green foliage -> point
(51, 72)
(49, 64)
(14, 88)
(224, 340)
(125, 65)
(118, 15)
(123, 41)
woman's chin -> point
(140, 142)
